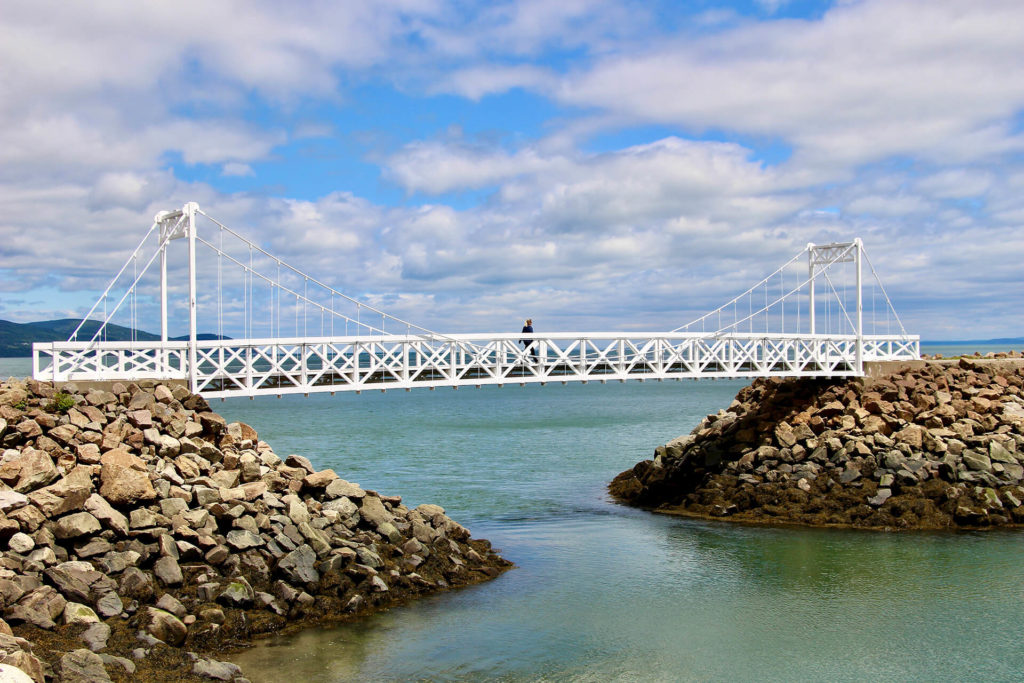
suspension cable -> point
(878, 280)
(252, 304)
(319, 283)
(106, 292)
(298, 296)
(754, 287)
(106, 318)
(799, 287)
(134, 313)
(220, 288)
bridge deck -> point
(361, 363)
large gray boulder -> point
(75, 525)
(298, 566)
(373, 511)
(77, 613)
(165, 626)
(82, 666)
(168, 571)
(218, 671)
(237, 594)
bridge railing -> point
(358, 363)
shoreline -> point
(767, 522)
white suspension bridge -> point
(819, 317)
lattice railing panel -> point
(227, 368)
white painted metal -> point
(859, 250)
(330, 364)
(810, 281)
(374, 359)
(193, 365)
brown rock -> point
(162, 394)
(75, 525)
(107, 515)
(124, 478)
(28, 470)
(13, 394)
(29, 518)
(98, 397)
(341, 488)
(875, 424)
(242, 432)
(88, 453)
(143, 419)
(66, 495)
(373, 511)
(82, 666)
(142, 400)
(784, 435)
(212, 423)
(320, 480)
(166, 627)
(912, 435)
(28, 663)
(29, 429)
(78, 418)
(831, 408)
(64, 434)
(299, 461)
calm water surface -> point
(603, 592)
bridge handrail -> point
(450, 338)
(227, 367)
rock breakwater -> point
(917, 445)
(142, 534)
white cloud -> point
(436, 168)
(235, 169)
(903, 117)
(867, 81)
(478, 81)
(895, 205)
(957, 183)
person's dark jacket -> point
(527, 329)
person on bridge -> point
(529, 344)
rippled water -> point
(603, 592)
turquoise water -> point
(950, 349)
(602, 592)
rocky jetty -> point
(142, 535)
(917, 445)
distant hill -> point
(1001, 340)
(16, 339)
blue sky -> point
(610, 164)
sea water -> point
(602, 592)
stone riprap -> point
(917, 445)
(142, 534)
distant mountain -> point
(16, 339)
(1001, 340)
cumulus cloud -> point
(478, 81)
(436, 168)
(867, 81)
(903, 118)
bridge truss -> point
(338, 343)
